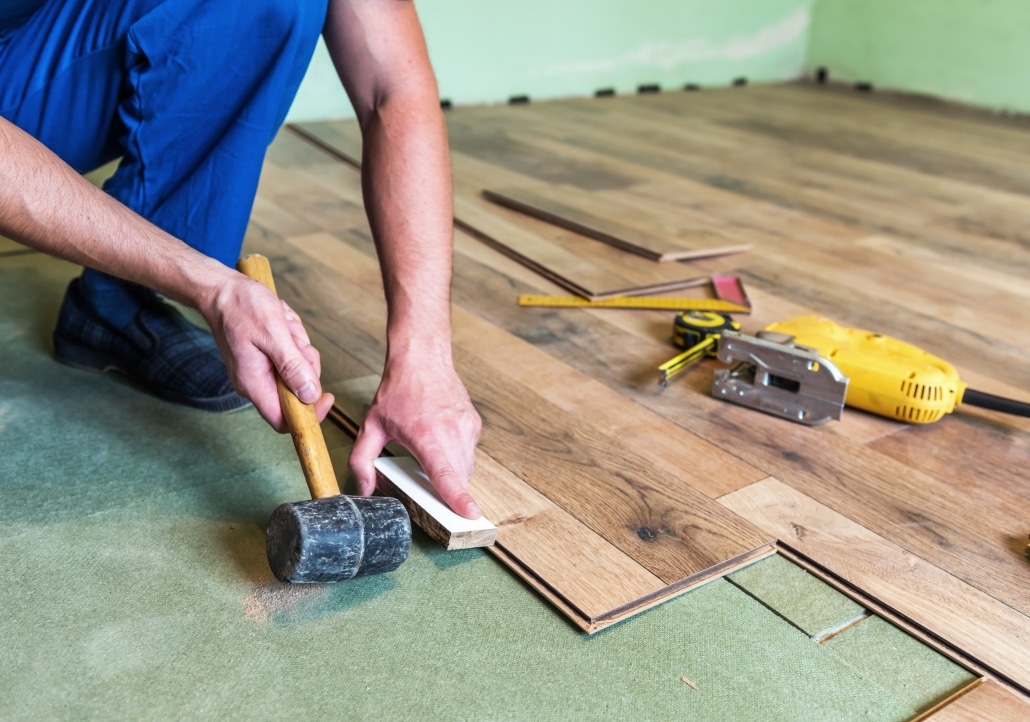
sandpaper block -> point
(402, 478)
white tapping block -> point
(402, 478)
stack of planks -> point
(609, 494)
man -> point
(189, 93)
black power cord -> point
(995, 403)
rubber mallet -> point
(329, 538)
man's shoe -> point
(159, 349)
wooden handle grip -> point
(300, 417)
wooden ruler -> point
(652, 303)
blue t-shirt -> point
(14, 13)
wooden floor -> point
(901, 216)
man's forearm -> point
(379, 51)
(408, 198)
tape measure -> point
(653, 303)
(698, 332)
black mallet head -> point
(337, 538)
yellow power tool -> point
(886, 376)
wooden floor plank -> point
(967, 450)
(671, 447)
(592, 216)
(989, 701)
(608, 579)
(875, 196)
(572, 270)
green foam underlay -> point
(811, 604)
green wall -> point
(486, 51)
(974, 51)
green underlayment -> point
(133, 586)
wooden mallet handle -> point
(300, 417)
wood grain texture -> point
(569, 269)
(883, 213)
(609, 587)
(988, 701)
(597, 274)
(590, 216)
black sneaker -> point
(159, 350)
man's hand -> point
(258, 334)
(423, 407)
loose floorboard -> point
(884, 213)
(602, 219)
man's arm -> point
(48, 206)
(380, 54)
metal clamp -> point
(779, 378)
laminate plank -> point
(503, 150)
(979, 304)
(966, 451)
(307, 198)
(666, 525)
(538, 540)
(934, 329)
(674, 449)
(471, 176)
(993, 633)
(569, 270)
(988, 701)
(942, 141)
(581, 213)
(339, 138)
(921, 117)
(925, 514)
(862, 133)
(876, 196)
